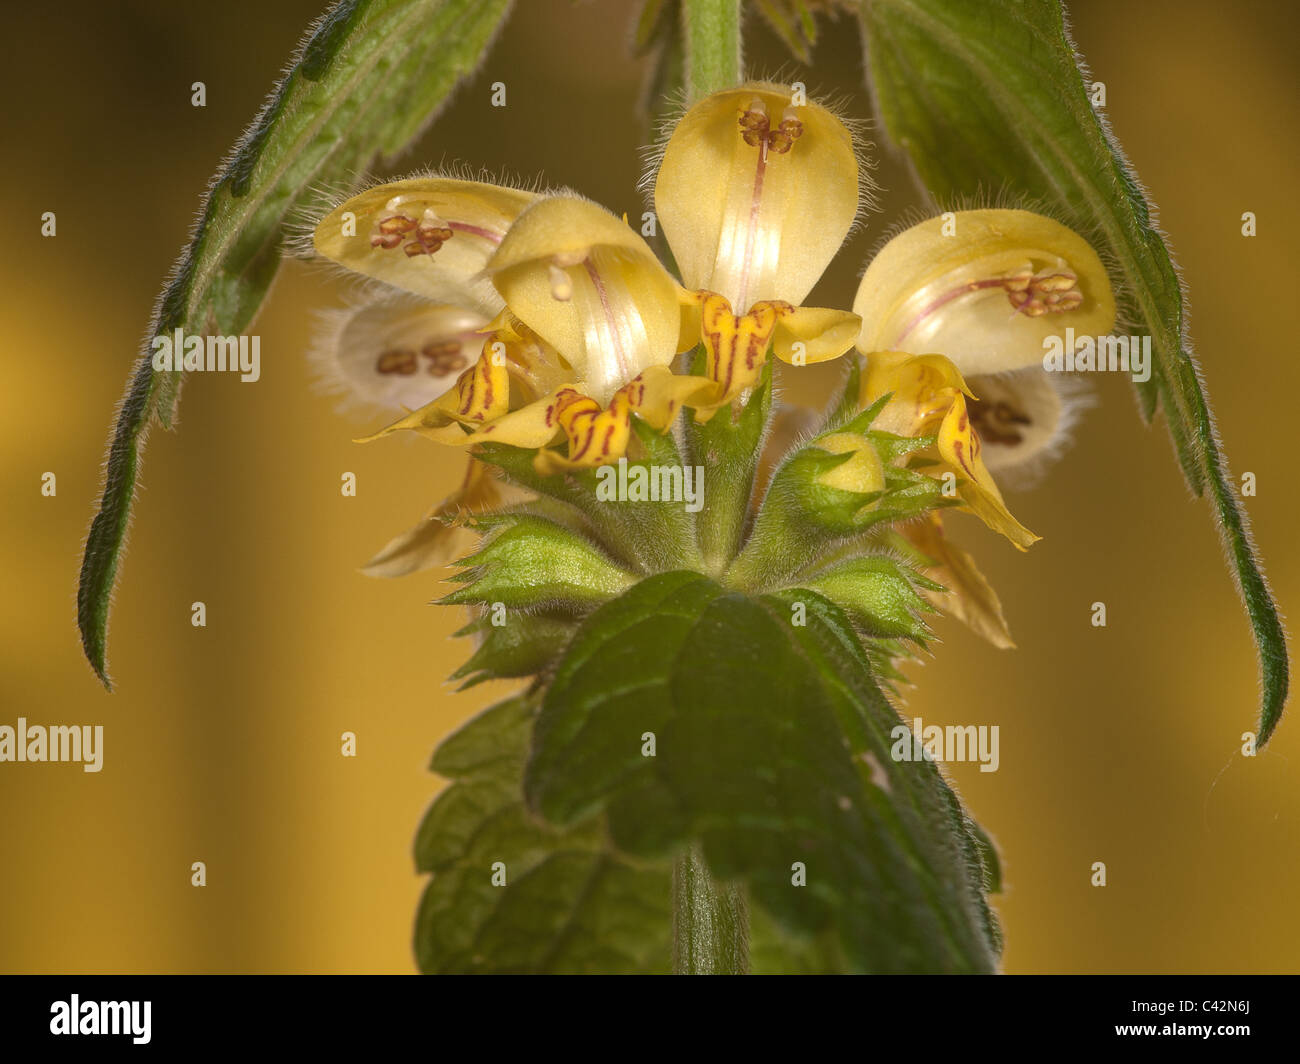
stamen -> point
(996, 421)
(782, 139)
(754, 124)
(757, 131)
(1030, 294)
(401, 361)
(397, 223)
(444, 357)
(430, 232)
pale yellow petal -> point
(481, 394)
(428, 235)
(960, 447)
(657, 394)
(756, 193)
(534, 425)
(823, 334)
(596, 435)
(987, 288)
(591, 288)
(430, 421)
(921, 386)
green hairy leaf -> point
(368, 78)
(988, 98)
(773, 754)
(563, 901)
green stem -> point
(711, 34)
(710, 921)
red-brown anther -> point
(757, 131)
(1056, 282)
(1063, 300)
(386, 240)
(444, 357)
(401, 361)
(415, 248)
(782, 139)
(435, 235)
(397, 223)
(997, 422)
(755, 128)
(1036, 296)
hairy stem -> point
(711, 32)
(710, 921)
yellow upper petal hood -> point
(755, 195)
(591, 288)
(984, 288)
(428, 235)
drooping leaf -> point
(568, 903)
(369, 76)
(773, 752)
(990, 98)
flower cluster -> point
(544, 322)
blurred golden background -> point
(222, 744)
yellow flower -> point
(736, 345)
(990, 289)
(957, 314)
(985, 288)
(417, 340)
(590, 287)
(579, 320)
(428, 235)
(756, 192)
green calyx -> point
(695, 501)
